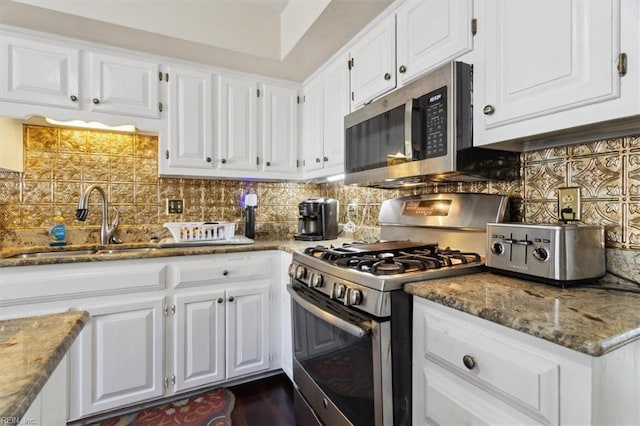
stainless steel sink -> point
(43, 254)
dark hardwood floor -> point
(265, 402)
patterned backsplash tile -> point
(60, 163)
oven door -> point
(340, 367)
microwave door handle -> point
(337, 322)
(408, 119)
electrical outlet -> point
(569, 204)
(352, 208)
(175, 206)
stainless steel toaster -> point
(556, 253)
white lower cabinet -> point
(118, 358)
(467, 370)
(49, 408)
(158, 326)
(220, 334)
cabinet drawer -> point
(219, 269)
(494, 364)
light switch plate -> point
(175, 206)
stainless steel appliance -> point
(422, 132)
(318, 219)
(351, 319)
(555, 253)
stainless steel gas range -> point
(351, 319)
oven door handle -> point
(337, 322)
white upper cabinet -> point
(238, 121)
(190, 105)
(547, 66)
(124, 85)
(39, 72)
(279, 128)
(326, 102)
(430, 33)
(373, 63)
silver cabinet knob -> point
(95, 101)
(208, 159)
(469, 362)
(488, 109)
(74, 98)
(225, 272)
(317, 159)
(326, 159)
(402, 69)
(231, 299)
(268, 163)
(220, 300)
(223, 161)
(387, 76)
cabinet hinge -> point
(352, 96)
(474, 26)
(270, 296)
(622, 64)
(270, 356)
(297, 163)
(173, 379)
(167, 154)
(160, 75)
(298, 99)
(350, 64)
(166, 77)
(160, 106)
(258, 90)
(169, 310)
(166, 382)
(257, 161)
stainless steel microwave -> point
(422, 132)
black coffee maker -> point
(318, 219)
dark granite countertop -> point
(30, 350)
(593, 321)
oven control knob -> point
(497, 248)
(540, 253)
(292, 270)
(340, 291)
(355, 296)
(301, 272)
(316, 280)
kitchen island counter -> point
(590, 320)
(30, 350)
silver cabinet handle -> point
(225, 272)
(220, 300)
(74, 98)
(488, 109)
(335, 321)
(317, 159)
(387, 76)
(208, 159)
(402, 69)
(268, 163)
(326, 159)
(95, 101)
(223, 161)
(231, 299)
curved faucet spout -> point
(106, 232)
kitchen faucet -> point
(106, 233)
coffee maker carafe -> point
(318, 219)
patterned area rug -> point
(212, 408)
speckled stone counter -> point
(7, 255)
(30, 350)
(589, 320)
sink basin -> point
(129, 250)
(42, 254)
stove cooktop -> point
(387, 265)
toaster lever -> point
(523, 242)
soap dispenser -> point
(250, 203)
(58, 231)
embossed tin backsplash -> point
(60, 162)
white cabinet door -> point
(279, 129)
(120, 356)
(238, 120)
(123, 85)
(190, 124)
(373, 63)
(431, 33)
(248, 329)
(41, 73)
(313, 126)
(335, 107)
(199, 339)
(545, 62)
